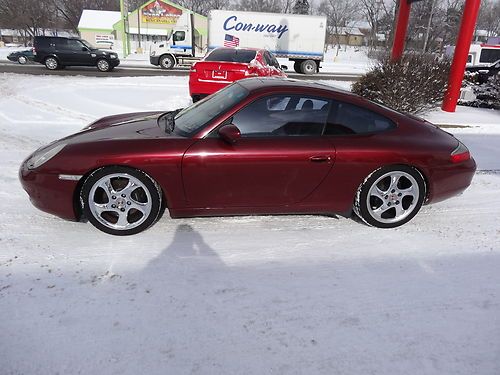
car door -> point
(280, 159)
(77, 53)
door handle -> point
(320, 158)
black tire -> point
(296, 67)
(195, 98)
(103, 65)
(114, 211)
(51, 63)
(21, 59)
(308, 67)
(390, 196)
(167, 62)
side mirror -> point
(230, 133)
(284, 67)
(85, 49)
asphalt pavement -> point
(132, 71)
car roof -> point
(240, 48)
(264, 83)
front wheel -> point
(167, 62)
(120, 200)
(296, 67)
(390, 196)
(103, 65)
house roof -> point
(348, 31)
(98, 19)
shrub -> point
(486, 89)
(414, 84)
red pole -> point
(398, 45)
(457, 70)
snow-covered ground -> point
(245, 295)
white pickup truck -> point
(300, 38)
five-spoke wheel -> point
(390, 196)
(120, 200)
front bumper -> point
(114, 62)
(154, 60)
(49, 193)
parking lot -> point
(271, 294)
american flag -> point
(231, 41)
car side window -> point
(346, 118)
(179, 36)
(71, 44)
(283, 115)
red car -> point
(258, 146)
(223, 66)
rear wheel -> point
(22, 59)
(308, 67)
(51, 63)
(390, 196)
(120, 200)
(167, 62)
(296, 66)
(103, 65)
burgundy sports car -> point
(258, 146)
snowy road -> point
(246, 295)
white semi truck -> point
(300, 38)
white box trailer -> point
(300, 38)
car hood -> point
(129, 126)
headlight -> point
(153, 53)
(41, 157)
(113, 56)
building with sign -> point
(152, 21)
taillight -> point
(34, 51)
(460, 153)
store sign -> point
(160, 12)
(104, 38)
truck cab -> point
(183, 46)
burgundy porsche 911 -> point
(258, 146)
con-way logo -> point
(232, 23)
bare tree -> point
(32, 17)
(71, 10)
(339, 13)
(301, 7)
(489, 17)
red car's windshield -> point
(231, 55)
(193, 118)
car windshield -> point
(231, 55)
(87, 44)
(190, 120)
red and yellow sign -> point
(160, 12)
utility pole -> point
(426, 39)
(124, 21)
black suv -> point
(57, 52)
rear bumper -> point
(449, 181)
(205, 87)
(48, 193)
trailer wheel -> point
(309, 67)
(167, 62)
(296, 66)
